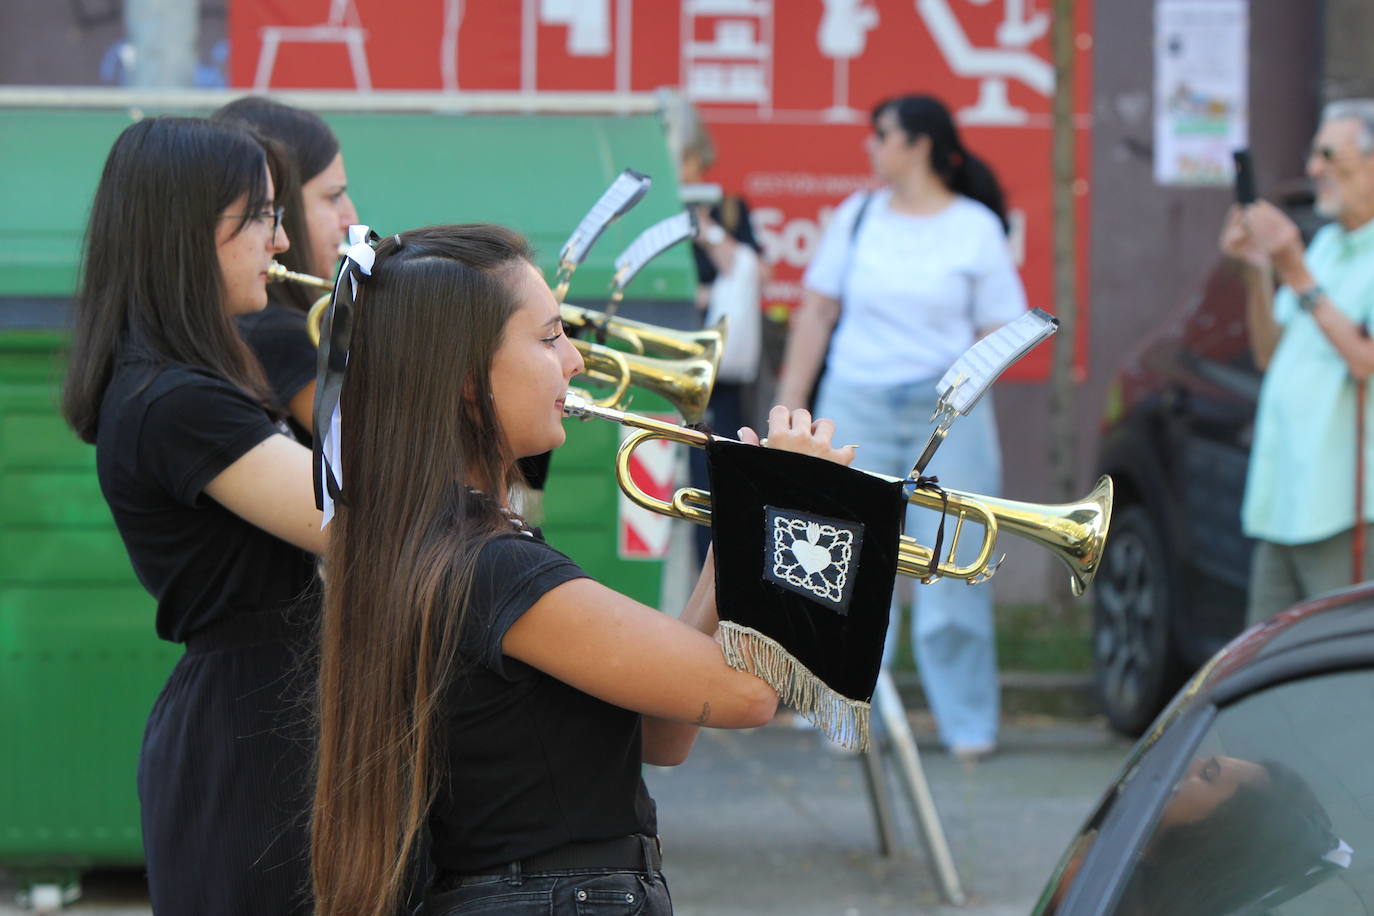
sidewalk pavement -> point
(773, 822)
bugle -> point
(684, 382)
(278, 273)
(646, 339)
(1074, 532)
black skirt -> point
(223, 778)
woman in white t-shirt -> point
(905, 279)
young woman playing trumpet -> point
(473, 679)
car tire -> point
(1135, 668)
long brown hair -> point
(150, 275)
(417, 425)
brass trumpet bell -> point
(685, 383)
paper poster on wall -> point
(1201, 72)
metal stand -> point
(897, 741)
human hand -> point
(1276, 236)
(1238, 242)
(794, 431)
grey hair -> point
(686, 131)
(1361, 110)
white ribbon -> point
(361, 254)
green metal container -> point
(80, 665)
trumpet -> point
(680, 366)
(685, 381)
(1074, 532)
(278, 273)
(646, 339)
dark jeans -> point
(584, 892)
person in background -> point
(318, 212)
(904, 280)
(730, 280)
(213, 500)
(1311, 340)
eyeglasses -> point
(1329, 153)
(275, 214)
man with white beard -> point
(1311, 339)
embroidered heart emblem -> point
(812, 556)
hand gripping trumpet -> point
(1074, 532)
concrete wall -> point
(1151, 246)
(1348, 66)
(69, 42)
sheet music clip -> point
(649, 244)
(973, 373)
(626, 191)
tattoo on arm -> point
(705, 714)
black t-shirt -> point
(278, 337)
(166, 430)
(533, 763)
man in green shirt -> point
(1310, 340)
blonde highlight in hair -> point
(418, 426)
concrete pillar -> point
(162, 35)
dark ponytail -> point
(960, 170)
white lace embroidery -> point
(812, 556)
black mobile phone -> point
(1245, 177)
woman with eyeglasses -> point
(318, 212)
(904, 280)
(213, 500)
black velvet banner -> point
(806, 554)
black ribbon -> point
(331, 365)
(932, 484)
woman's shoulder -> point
(975, 215)
(514, 556)
(141, 382)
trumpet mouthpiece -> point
(575, 405)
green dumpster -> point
(79, 662)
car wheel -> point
(1134, 666)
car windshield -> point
(1273, 813)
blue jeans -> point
(581, 892)
(953, 629)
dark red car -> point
(1253, 793)
(1176, 441)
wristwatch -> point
(1307, 300)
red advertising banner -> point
(785, 88)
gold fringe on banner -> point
(841, 719)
